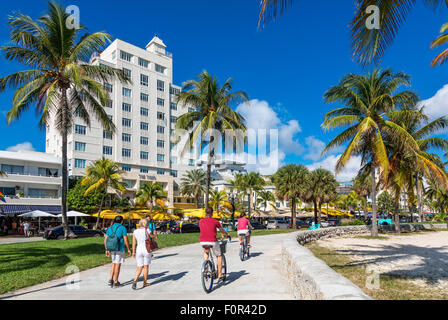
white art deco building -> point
(144, 114)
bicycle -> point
(244, 249)
(209, 272)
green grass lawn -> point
(26, 264)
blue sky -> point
(285, 68)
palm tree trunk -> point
(197, 201)
(293, 213)
(99, 212)
(64, 163)
(419, 198)
(319, 213)
(374, 213)
(209, 172)
(250, 204)
(110, 205)
(316, 220)
(397, 218)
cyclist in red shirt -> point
(243, 228)
(209, 227)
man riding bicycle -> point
(209, 227)
(244, 228)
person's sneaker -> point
(134, 285)
(110, 283)
(118, 285)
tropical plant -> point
(103, 175)
(77, 200)
(385, 203)
(149, 193)
(59, 81)
(368, 44)
(266, 197)
(2, 173)
(367, 99)
(289, 182)
(320, 186)
(218, 199)
(193, 184)
(213, 112)
(441, 217)
(252, 183)
(440, 40)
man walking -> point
(114, 242)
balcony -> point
(33, 179)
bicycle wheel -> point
(224, 268)
(207, 276)
(242, 252)
(247, 249)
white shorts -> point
(243, 232)
(117, 257)
(143, 258)
(216, 248)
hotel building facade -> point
(144, 113)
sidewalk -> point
(18, 239)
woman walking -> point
(142, 255)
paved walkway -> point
(175, 275)
(18, 239)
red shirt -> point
(242, 223)
(209, 228)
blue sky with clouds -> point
(285, 68)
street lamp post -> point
(232, 199)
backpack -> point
(112, 242)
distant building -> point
(32, 182)
(344, 188)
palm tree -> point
(213, 112)
(100, 176)
(320, 186)
(218, 199)
(368, 44)
(367, 99)
(149, 193)
(251, 183)
(2, 173)
(361, 185)
(440, 40)
(58, 80)
(193, 184)
(266, 197)
(289, 182)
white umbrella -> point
(2, 215)
(74, 214)
(37, 214)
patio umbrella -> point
(74, 214)
(37, 214)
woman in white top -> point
(141, 254)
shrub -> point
(353, 223)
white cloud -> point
(347, 174)
(315, 148)
(437, 105)
(26, 146)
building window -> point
(144, 80)
(144, 112)
(160, 116)
(144, 170)
(107, 150)
(143, 63)
(191, 163)
(144, 97)
(173, 106)
(11, 169)
(79, 163)
(174, 173)
(80, 130)
(160, 129)
(173, 160)
(173, 119)
(110, 117)
(80, 146)
(109, 104)
(126, 153)
(109, 87)
(127, 92)
(126, 107)
(160, 102)
(161, 172)
(144, 126)
(126, 122)
(160, 144)
(161, 157)
(144, 141)
(107, 135)
(174, 91)
(127, 72)
(160, 85)
(126, 137)
(125, 56)
(160, 68)
(144, 155)
(126, 167)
